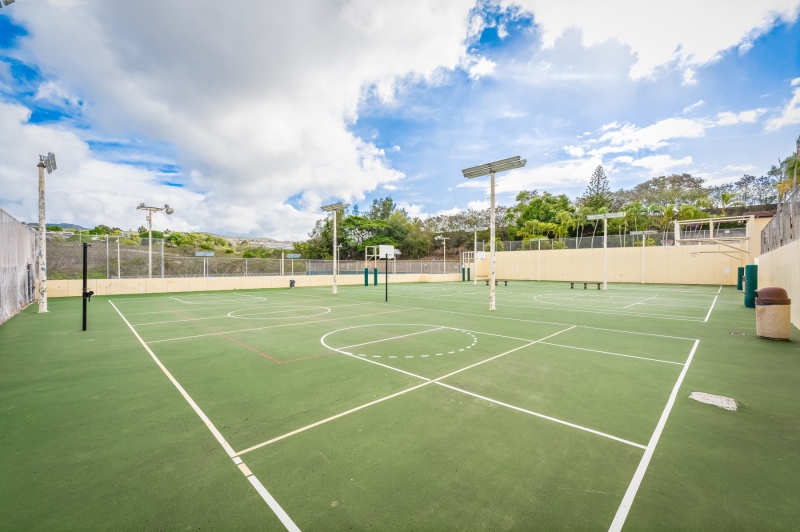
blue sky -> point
(247, 117)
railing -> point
(620, 241)
(783, 228)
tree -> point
(532, 206)
(598, 192)
(728, 199)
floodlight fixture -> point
(490, 169)
(49, 161)
(150, 211)
(605, 217)
(332, 208)
(338, 206)
(45, 162)
(493, 168)
(6, 2)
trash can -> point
(750, 285)
(773, 313)
(291, 283)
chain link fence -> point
(620, 241)
(115, 258)
(18, 273)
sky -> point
(246, 117)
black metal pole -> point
(387, 278)
(85, 261)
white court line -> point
(636, 481)
(392, 338)
(274, 326)
(276, 508)
(712, 308)
(638, 302)
(356, 409)
(720, 289)
(269, 499)
(408, 307)
(556, 420)
(614, 354)
(600, 311)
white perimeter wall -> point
(781, 268)
(691, 264)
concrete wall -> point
(781, 267)
(688, 264)
(67, 288)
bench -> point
(495, 282)
(585, 283)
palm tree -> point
(728, 199)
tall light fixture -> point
(605, 216)
(490, 169)
(475, 251)
(444, 240)
(333, 208)
(6, 2)
(45, 162)
(643, 233)
(150, 210)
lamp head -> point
(168, 209)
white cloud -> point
(52, 92)
(744, 117)
(682, 32)
(447, 212)
(790, 115)
(414, 210)
(630, 138)
(662, 164)
(260, 112)
(481, 67)
(571, 174)
(479, 205)
(689, 108)
(575, 151)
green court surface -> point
(301, 409)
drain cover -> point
(737, 333)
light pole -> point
(333, 208)
(490, 169)
(150, 210)
(444, 240)
(643, 233)
(48, 162)
(605, 216)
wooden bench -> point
(585, 283)
(495, 282)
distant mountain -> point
(62, 225)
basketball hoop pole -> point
(333, 208)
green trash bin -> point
(750, 285)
